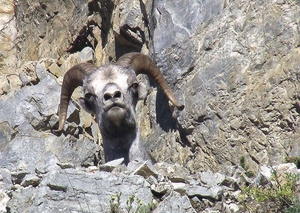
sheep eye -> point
(134, 86)
(89, 97)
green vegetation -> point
(243, 165)
(295, 160)
(277, 196)
(293, 209)
(141, 207)
(115, 204)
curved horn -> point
(73, 78)
(142, 64)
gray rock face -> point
(26, 116)
(80, 191)
(175, 203)
(174, 25)
(39, 18)
(234, 65)
(227, 63)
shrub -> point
(277, 196)
(141, 207)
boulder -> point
(80, 191)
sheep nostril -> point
(107, 97)
(117, 94)
(110, 96)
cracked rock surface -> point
(233, 64)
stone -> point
(152, 180)
(264, 175)
(162, 187)
(48, 163)
(231, 183)
(111, 165)
(179, 187)
(146, 170)
(286, 168)
(18, 176)
(175, 172)
(92, 168)
(200, 191)
(4, 199)
(232, 207)
(214, 193)
(66, 165)
(197, 203)
(93, 191)
(55, 69)
(86, 55)
(30, 180)
(211, 210)
(217, 192)
(28, 73)
(212, 179)
(16, 187)
(5, 179)
(175, 203)
(282, 170)
(41, 70)
(129, 28)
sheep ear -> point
(85, 105)
(142, 91)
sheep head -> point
(111, 92)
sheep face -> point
(111, 93)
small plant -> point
(277, 196)
(243, 165)
(144, 208)
(293, 209)
(141, 207)
(295, 160)
(115, 204)
(129, 203)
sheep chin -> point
(116, 115)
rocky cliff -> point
(234, 64)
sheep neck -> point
(126, 145)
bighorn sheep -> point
(111, 92)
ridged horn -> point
(73, 78)
(142, 64)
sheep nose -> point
(111, 96)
